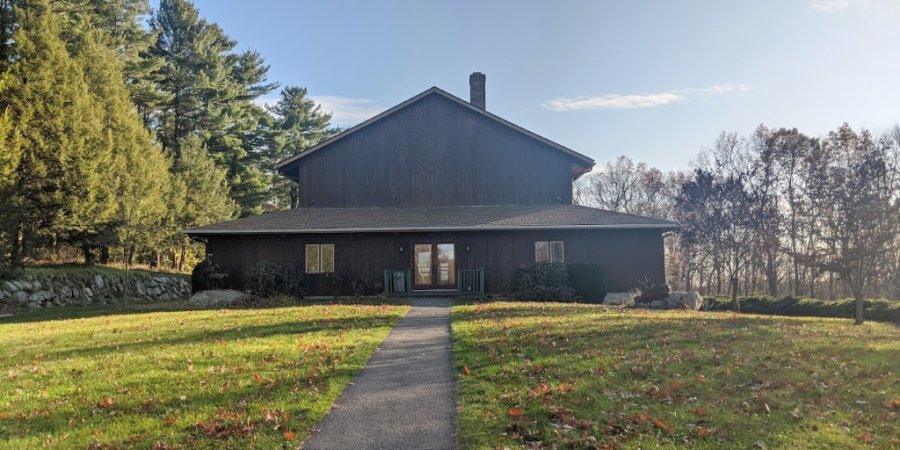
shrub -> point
(543, 282)
(209, 275)
(587, 281)
(266, 279)
(877, 310)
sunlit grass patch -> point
(126, 378)
(580, 376)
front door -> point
(434, 266)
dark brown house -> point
(438, 195)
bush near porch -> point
(158, 376)
(585, 376)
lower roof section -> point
(449, 218)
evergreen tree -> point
(210, 90)
(199, 194)
(299, 124)
(140, 170)
(58, 184)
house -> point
(438, 195)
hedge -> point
(876, 309)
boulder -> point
(658, 304)
(685, 300)
(619, 298)
(139, 287)
(98, 281)
(10, 286)
(657, 293)
(216, 298)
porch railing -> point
(397, 282)
(470, 282)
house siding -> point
(630, 258)
(435, 153)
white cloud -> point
(347, 110)
(612, 101)
(631, 101)
(829, 6)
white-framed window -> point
(319, 258)
(549, 251)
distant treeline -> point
(116, 134)
(778, 212)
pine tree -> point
(210, 90)
(299, 124)
(199, 194)
(58, 187)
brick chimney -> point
(476, 90)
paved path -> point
(404, 397)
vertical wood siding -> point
(435, 153)
(630, 258)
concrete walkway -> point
(404, 397)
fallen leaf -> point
(515, 412)
(289, 435)
(468, 372)
(865, 437)
(662, 425)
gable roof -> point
(444, 218)
(434, 90)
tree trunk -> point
(181, 258)
(104, 254)
(295, 195)
(772, 275)
(859, 309)
(15, 251)
(735, 304)
(88, 252)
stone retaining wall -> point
(50, 290)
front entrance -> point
(434, 266)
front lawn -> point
(127, 377)
(581, 376)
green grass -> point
(145, 376)
(581, 376)
(80, 270)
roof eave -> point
(662, 227)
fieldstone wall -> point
(47, 291)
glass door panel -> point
(446, 264)
(422, 256)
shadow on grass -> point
(142, 307)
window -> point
(549, 251)
(319, 258)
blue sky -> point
(654, 80)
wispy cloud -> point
(345, 111)
(348, 110)
(830, 6)
(872, 6)
(645, 100)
